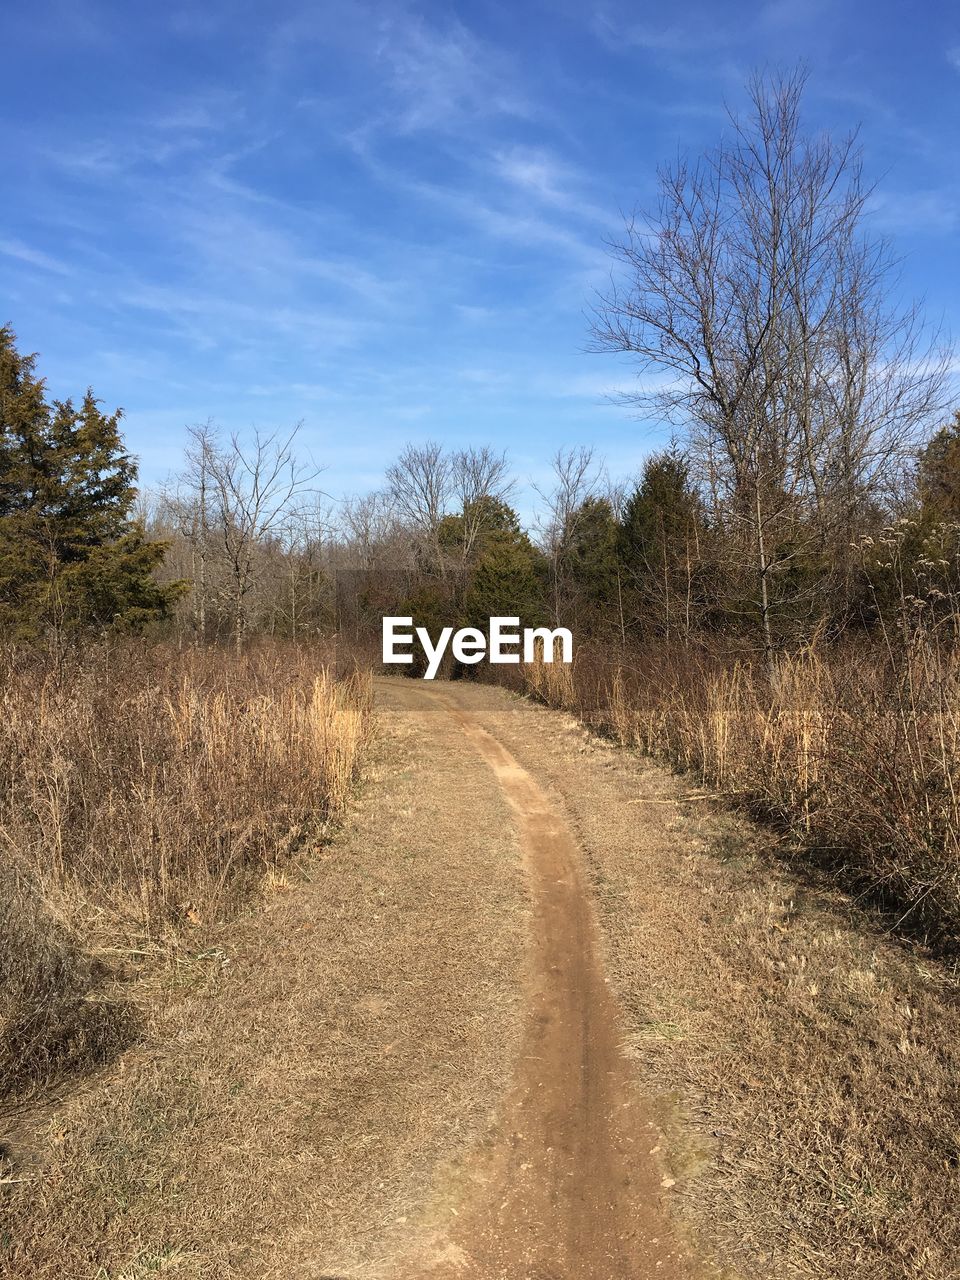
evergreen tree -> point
(503, 577)
(71, 556)
(938, 476)
(590, 572)
(912, 567)
(661, 547)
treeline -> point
(621, 564)
(243, 542)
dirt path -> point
(569, 1187)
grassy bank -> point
(855, 755)
(145, 792)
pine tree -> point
(660, 545)
(589, 567)
(71, 556)
(938, 477)
(505, 582)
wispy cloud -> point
(207, 112)
(549, 180)
(693, 29)
(187, 126)
(790, 13)
(936, 212)
(106, 158)
(235, 237)
(522, 226)
(471, 203)
(33, 257)
(618, 29)
(211, 319)
(432, 75)
(441, 76)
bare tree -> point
(426, 484)
(479, 477)
(372, 532)
(244, 492)
(419, 485)
(578, 476)
(757, 297)
(299, 601)
(188, 510)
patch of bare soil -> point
(310, 1069)
(805, 1067)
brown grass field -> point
(143, 795)
(855, 757)
(285, 1026)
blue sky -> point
(388, 220)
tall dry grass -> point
(144, 791)
(855, 754)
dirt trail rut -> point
(569, 1187)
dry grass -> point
(51, 1019)
(855, 755)
(144, 792)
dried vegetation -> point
(855, 755)
(145, 793)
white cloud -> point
(203, 113)
(228, 232)
(33, 257)
(536, 172)
(615, 25)
(936, 212)
(442, 77)
(469, 205)
(414, 74)
(211, 318)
